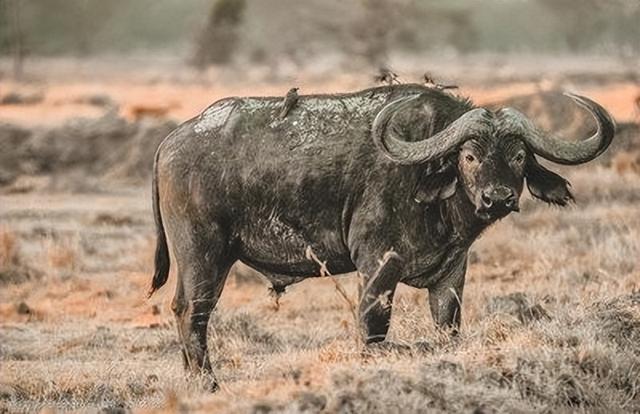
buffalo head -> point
(488, 155)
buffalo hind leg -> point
(201, 276)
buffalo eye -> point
(469, 158)
(519, 158)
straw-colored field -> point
(551, 311)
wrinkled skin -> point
(238, 183)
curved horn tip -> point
(591, 105)
(570, 94)
(582, 100)
(579, 99)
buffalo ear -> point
(547, 185)
(437, 186)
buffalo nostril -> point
(512, 204)
(486, 200)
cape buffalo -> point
(401, 168)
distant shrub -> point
(219, 39)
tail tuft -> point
(162, 264)
(162, 261)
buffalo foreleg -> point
(445, 298)
(380, 278)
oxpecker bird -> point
(386, 75)
(289, 102)
(430, 83)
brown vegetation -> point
(551, 311)
(8, 248)
(627, 162)
(13, 268)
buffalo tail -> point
(162, 261)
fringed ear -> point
(436, 186)
(547, 185)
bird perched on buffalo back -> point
(289, 102)
(431, 83)
(386, 75)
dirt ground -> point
(551, 312)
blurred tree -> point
(295, 31)
(13, 36)
(371, 32)
(588, 24)
(417, 25)
(5, 34)
(463, 34)
(67, 26)
(219, 39)
(581, 20)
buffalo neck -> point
(454, 220)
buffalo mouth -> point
(495, 213)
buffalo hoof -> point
(387, 346)
(206, 382)
(213, 387)
(423, 347)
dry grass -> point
(627, 163)
(61, 255)
(551, 315)
(8, 248)
(13, 267)
(551, 322)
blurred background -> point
(89, 88)
(125, 72)
(349, 34)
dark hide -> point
(239, 183)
